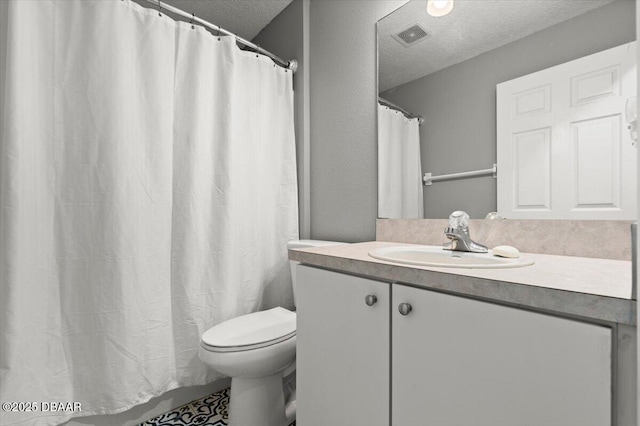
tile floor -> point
(208, 411)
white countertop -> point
(599, 289)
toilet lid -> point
(252, 330)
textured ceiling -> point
(472, 28)
(242, 17)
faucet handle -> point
(459, 220)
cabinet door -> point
(342, 349)
(458, 361)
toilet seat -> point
(251, 331)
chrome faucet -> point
(458, 233)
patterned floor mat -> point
(208, 411)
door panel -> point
(563, 148)
(342, 349)
(458, 361)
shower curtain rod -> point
(402, 110)
(290, 65)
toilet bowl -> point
(254, 350)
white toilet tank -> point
(305, 244)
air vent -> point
(412, 35)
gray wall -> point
(459, 102)
(343, 117)
(288, 37)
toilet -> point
(254, 350)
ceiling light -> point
(439, 8)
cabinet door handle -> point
(370, 299)
(404, 308)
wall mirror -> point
(464, 91)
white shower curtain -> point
(147, 192)
(399, 169)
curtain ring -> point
(193, 17)
(159, 8)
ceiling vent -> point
(412, 35)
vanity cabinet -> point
(342, 349)
(444, 360)
(459, 361)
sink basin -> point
(438, 257)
